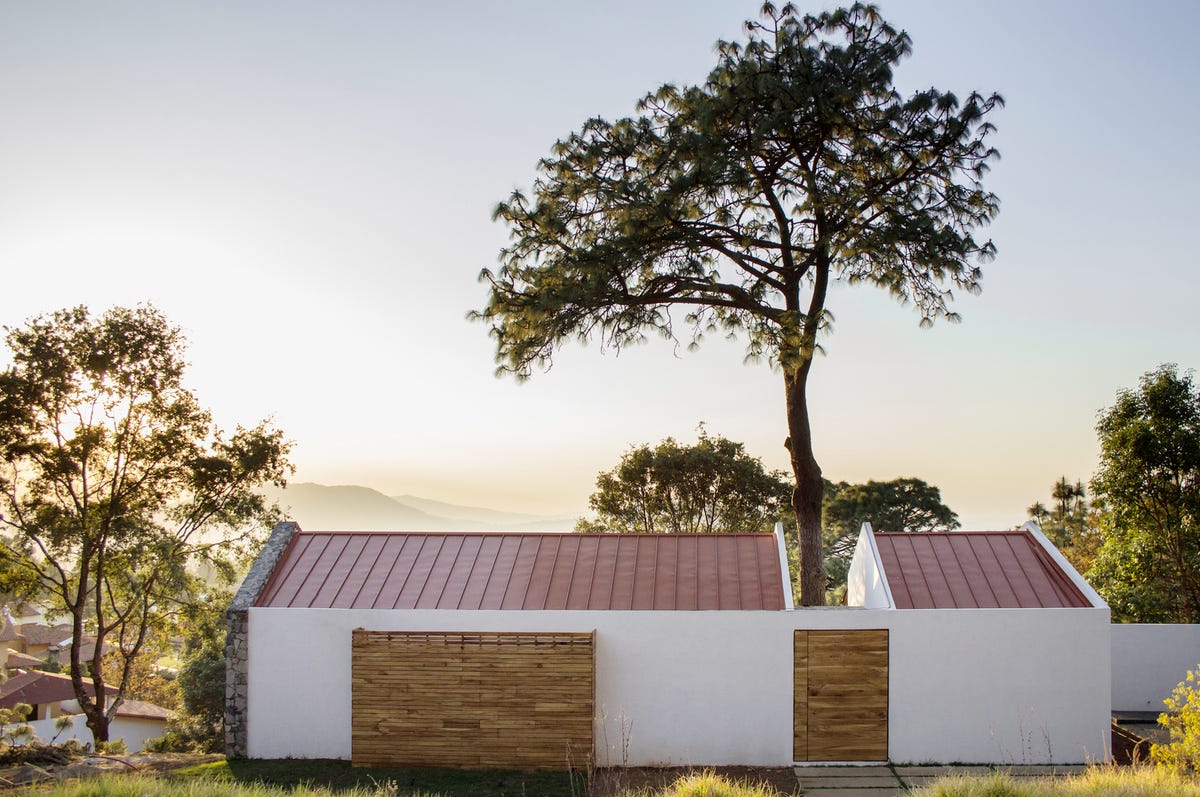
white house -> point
(459, 649)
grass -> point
(707, 784)
(340, 777)
(1100, 781)
(319, 778)
(305, 778)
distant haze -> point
(318, 507)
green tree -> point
(113, 480)
(1148, 564)
(1181, 752)
(898, 505)
(733, 206)
(711, 486)
(1071, 522)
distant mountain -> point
(319, 507)
(477, 514)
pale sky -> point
(306, 188)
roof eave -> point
(1051, 549)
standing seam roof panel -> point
(997, 580)
(460, 574)
(372, 548)
(339, 569)
(559, 586)
(280, 585)
(974, 570)
(484, 561)
(389, 557)
(406, 570)
(347, 575)
(522, 573)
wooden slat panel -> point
(841, 697)
(477, 700)
(800, 667)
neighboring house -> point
(38, 639)
(24, 612)
(549, 650)
(9, 638)
(44, 691)
(61, 652)
(52, 697)
(17, 661)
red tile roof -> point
(406, 570)
(40, 634)
(140, 709)
(18, 659)
(36, 688)
(974, 569)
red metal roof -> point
(974, 569)
(427, 570)
(36, 688)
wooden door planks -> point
(840, 695)
(518, 700)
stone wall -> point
(237, 648)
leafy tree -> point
(1071, 522)
(200, 725)
(1181, 721)
(113, 480)
(735, 204)
(898, 505)
(711, 486)
(1148, 564)
(145, 681)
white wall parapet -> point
(1004, 686)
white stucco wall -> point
(133, 730)
(1148, 661)
(988, 685)
(1013, 686)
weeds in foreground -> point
(1101, 781)
(707, 784)
(135, 786)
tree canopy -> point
(732, 207)
(906, 504)
(1070, 522)
(114, 480)
(1148, 564)
(710, 486)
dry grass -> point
(1095, 782)
(707, 784)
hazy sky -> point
(306, 188)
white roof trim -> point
(1073, 574)
(869, 533)
(788, 602)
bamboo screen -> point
(472, 700)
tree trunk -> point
(810, 488)
(97, 722)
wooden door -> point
(488, 700)
(840, 695)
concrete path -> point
(896, 781)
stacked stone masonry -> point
(237, 649)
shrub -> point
(1182, 722)
(710, 784)
(188, 735)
